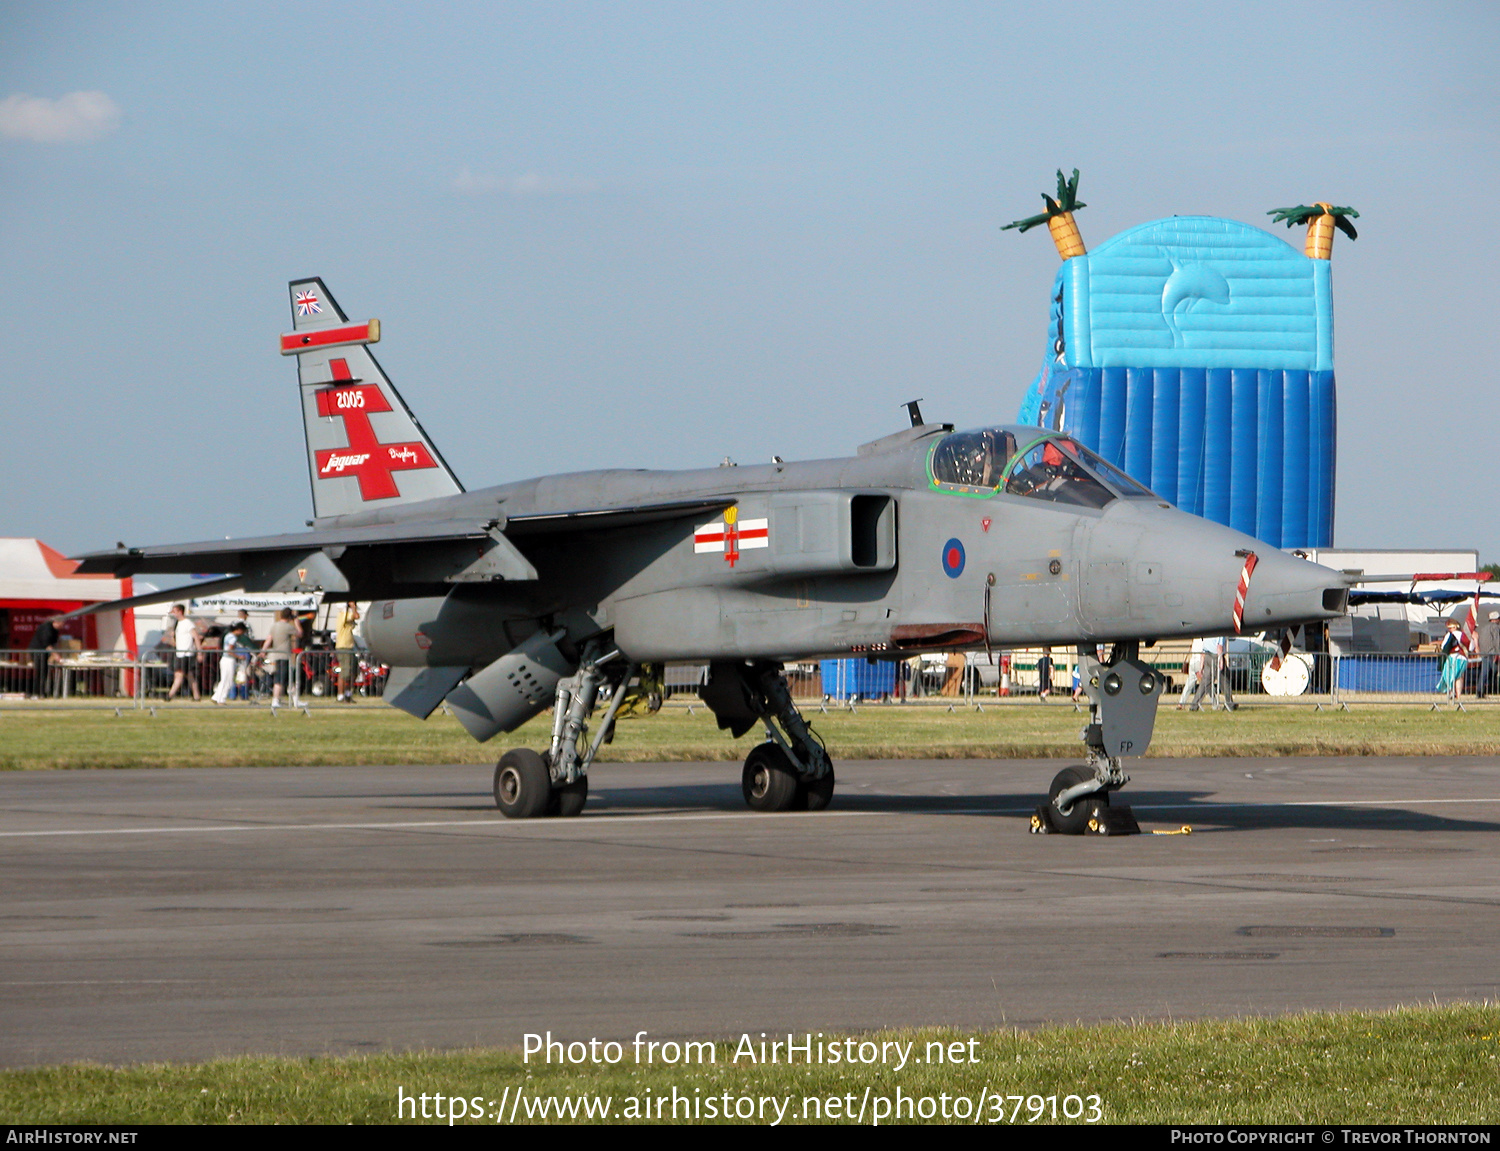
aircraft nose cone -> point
(1166, 572)
(1285, 590)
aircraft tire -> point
(569, 798)
(768, 781)
(1076, 822)
(523, 785)
(817, 794)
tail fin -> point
(360, 434)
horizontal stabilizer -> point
(280, 572)
(170, 595)
(236, 555)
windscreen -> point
(1110, 474)
(1048, 470)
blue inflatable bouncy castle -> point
(1197, 354)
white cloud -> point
(72, 119)
(529, 184)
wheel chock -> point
(1103, 820)
(1108, 820)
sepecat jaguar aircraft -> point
(558, 591)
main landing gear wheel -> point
(523, 785)
(1076, 821)
(769, 780)
(568, 798)
(816, 794)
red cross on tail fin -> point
(365, 449)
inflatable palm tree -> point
(1059, 217)
(1321, 219)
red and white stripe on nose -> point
(1238, 615)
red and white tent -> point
(37, 582)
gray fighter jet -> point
(556, 592)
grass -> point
(372, 733)
(1430, 1065)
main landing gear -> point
(791, 771)
(530, 784)
(524, 788)
(1123, 695)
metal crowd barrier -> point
(1316, 679)
(116, 678)
(1319, 679)
(1417, 677)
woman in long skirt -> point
(1454, 662)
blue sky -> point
(658, 234)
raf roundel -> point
(953, 558)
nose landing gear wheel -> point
(1076, 821)
(769, 781)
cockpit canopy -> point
(1043, 466)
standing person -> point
(914, 672)
(243, 617)
(344, 641)
(1453, 660)
(44, 641)
(1215, 669)
(302, 662)
(229, 662)
(185, 653)
(278, 649)
(247, 645)
(1489, 652)
(1044, 674)
(1193, 671)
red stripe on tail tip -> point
(294, 342)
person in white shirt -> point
(1194, 673)
(1215, 665)
(185, 656)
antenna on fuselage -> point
(914, 411)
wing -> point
(377, 560)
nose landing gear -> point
(1123, 695)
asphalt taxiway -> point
(191, 913)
